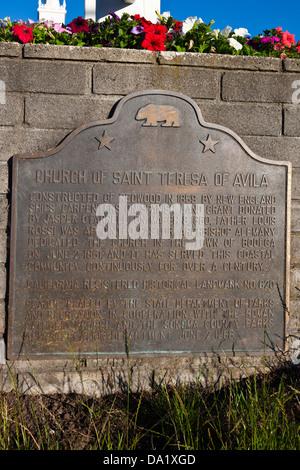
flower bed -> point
(135, 32)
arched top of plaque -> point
(171, 120)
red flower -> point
(153, 42)
(176, 25)
(79, 25)
(158, 29)
(141, 19)
(287, 38)
(24, 33)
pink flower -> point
(48, 24)
(278, 47)
(288, 39)
(59, 29)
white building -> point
(98, 9)
(52, 10)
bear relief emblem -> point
(154, 114)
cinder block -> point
(258, 87)
(45, 77)
(2, 282)
(220, 61)
(92, 54)
(124, 79)
(63, 111)
(3, 247)
(244, 118)
(292, 120)
(295, 183)
(3, 177)
(295, 283)
(294, 319)
(295, 249)
(295, 217)
(291, 65)
(10, 49)
(2, 319)
(275, 148)
(4, 209)
(12, 110)
(26, 140)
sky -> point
(255, 16)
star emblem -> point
(105, 141)
(209, 144)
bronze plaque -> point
(102, 263)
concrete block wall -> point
(50, 90)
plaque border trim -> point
(114, 116)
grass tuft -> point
(260, 412)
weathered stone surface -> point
(291, 65)
(220, 61)
(3, 247)
(4, 208)
(295, 283)
(256, 87)
(244, 118)
(295, 217)
(124, 79)
(102, 377)
(2, 281)
(295, 249)
(292, 120)
(64, 111)
(296, 183)
(275, 148)
(10, 49)
(91, 54)
(294, 319)
(24, 139)
(45, 77)
(12, 111)
(3, 177)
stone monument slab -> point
(150, 233)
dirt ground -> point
(76, 422)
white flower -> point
(189, 23)
(234, 43)
(241, 32)
(226, 31)
(166, 14)
(215, 32)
